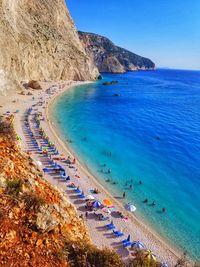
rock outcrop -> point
(38, 41)
(35, 219)
(38, 224)
(111, 58)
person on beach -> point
(96, 191)
(124, 194)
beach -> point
(99, 235)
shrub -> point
(79, 254)
(140, 261)
(14, 186)
(32, 201)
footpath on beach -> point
(109, 223)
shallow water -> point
(151, 132)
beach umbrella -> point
(148, 254)
(90, 197)
(107, 202)
(130, 207)
(46, 170)
(164, 264)
(97, 204)
(106, 210)
(137, 245)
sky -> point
(166, 31)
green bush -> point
(14, 186)
(140, 261)
(79, 254)
(32, 201)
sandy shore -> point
(99, 235)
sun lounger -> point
(125, 241)
(77, 190)
(127, 244)
(107, 225)
(111, 227)
(118, 233)
(81, 196)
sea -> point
(149, 132)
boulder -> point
(34, 85)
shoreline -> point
(66, 147)
(142, 231)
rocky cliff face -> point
(111, 58)
(38, 40)
(35, 219)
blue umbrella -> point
(137, 245)
(164, 264)
(97, 204)
(46, 170)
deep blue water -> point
(164, 104)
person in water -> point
(163, 209)
(153, 203)
(146, 200)
(140, 182)
(109, 170)
(131, 186)
(124, 194)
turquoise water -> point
(153, 133)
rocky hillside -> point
(111, 58)
(38, 40)
(35, 219)
(38, 225)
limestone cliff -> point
(111, 58)
(38, 40)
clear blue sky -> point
(167, 31)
